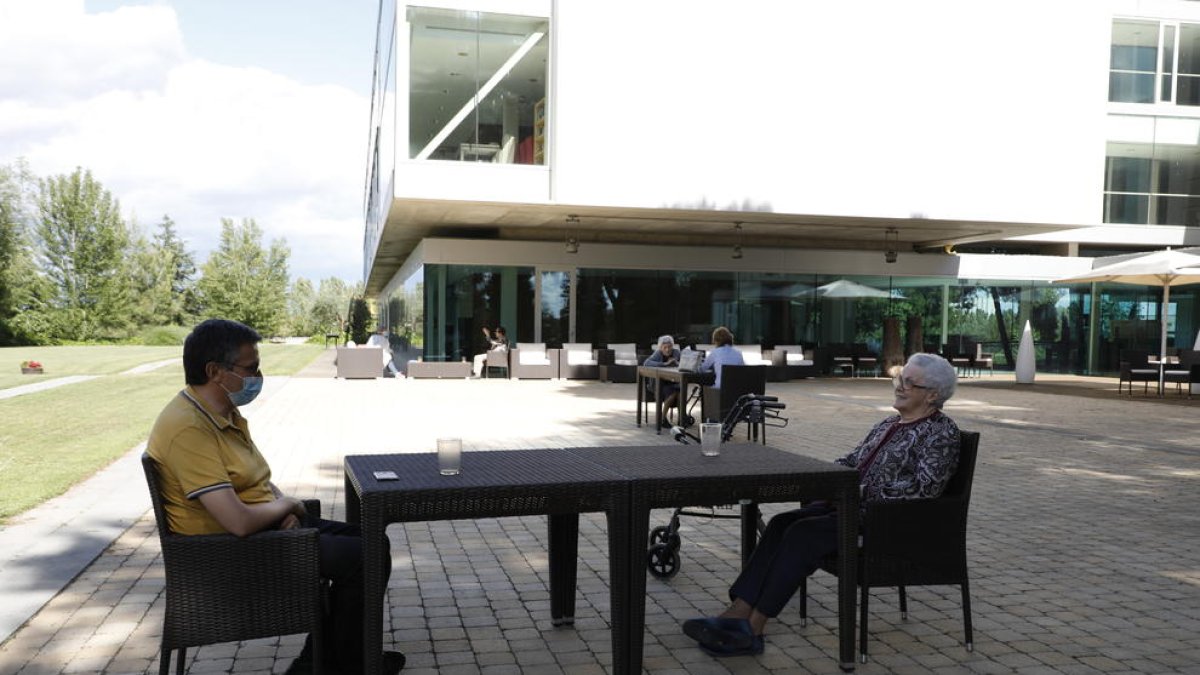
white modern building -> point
(610, 171)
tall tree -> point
(332, 304)
(150, 274)
(182, 264)
(301, 298)
(245, 282)
(84, 244)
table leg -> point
(352, 502)
(628, 529)
(640, 397)
(658, 405)
(373, 542)
(749, 530)
(847, 574)
(564, 565)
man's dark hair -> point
(500, 330)
(214, 340)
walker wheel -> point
(663, 561)
(659, 535)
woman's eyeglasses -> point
(906, 384)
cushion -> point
(578, 358)
(579, 354)
(752, 355)
(625, 351)
(625, 362)
(532, 358)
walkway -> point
(57, 382)
(1082, 544)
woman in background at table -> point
(664, 356)
(912, 455)
(723, 355)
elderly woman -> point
(907, 456)
(665, 356)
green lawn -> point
(110, 359)
(52, 439)
(77, 360)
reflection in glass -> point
(556, 308)
(461, 300)
(477, 86)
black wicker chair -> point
(1185, 373)
(915, 543)
(222, 588)
(736, 382)
(1135, 367)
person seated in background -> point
(665, 356)
(215, 481)
(912, 455)
(723, 354)
(497, 341)
(380, 339)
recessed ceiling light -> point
(455, 74)
(533, 79)
(462, 53)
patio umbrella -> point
(844, 288)
(1161, 268)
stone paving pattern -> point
(1083, 540)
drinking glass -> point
(710, 439)
(449, 451)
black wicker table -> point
(659, 375)
(555, 483)
(668, 476)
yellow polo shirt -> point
(198, 451)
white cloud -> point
(167, 133)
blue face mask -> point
(251, 388)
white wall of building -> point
(860, 107)
(944, 108)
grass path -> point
(49, 440)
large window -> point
(1155, 62)
(462, 300)
(1155, 184)
(477, 86)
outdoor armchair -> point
(531, 360)
(920, 542)
(1185, 373)
(736, 381)
(577, 361)
(498, 359)
(797, 362)
(222, 588)
(1135, 367)
(618, 362)
(864, 358)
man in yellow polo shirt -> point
(214, 480)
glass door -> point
(556, 306)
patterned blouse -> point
(915, 461)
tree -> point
(182, 265)
(84, 243)
(243, 282)
(301, 299)
(17, 271)
(360, 320)
(150, 278)
(329, 310)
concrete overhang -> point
(411, 220)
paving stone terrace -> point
(1083, 539)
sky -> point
(201, 109)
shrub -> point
(163, 336)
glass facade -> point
(477, 86)
(1154, 62)
(440, 312)
(1152, 183)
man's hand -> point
(486, 333)
(290, 522)
(298, 509)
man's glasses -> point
(906, 384)
(252, 369)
